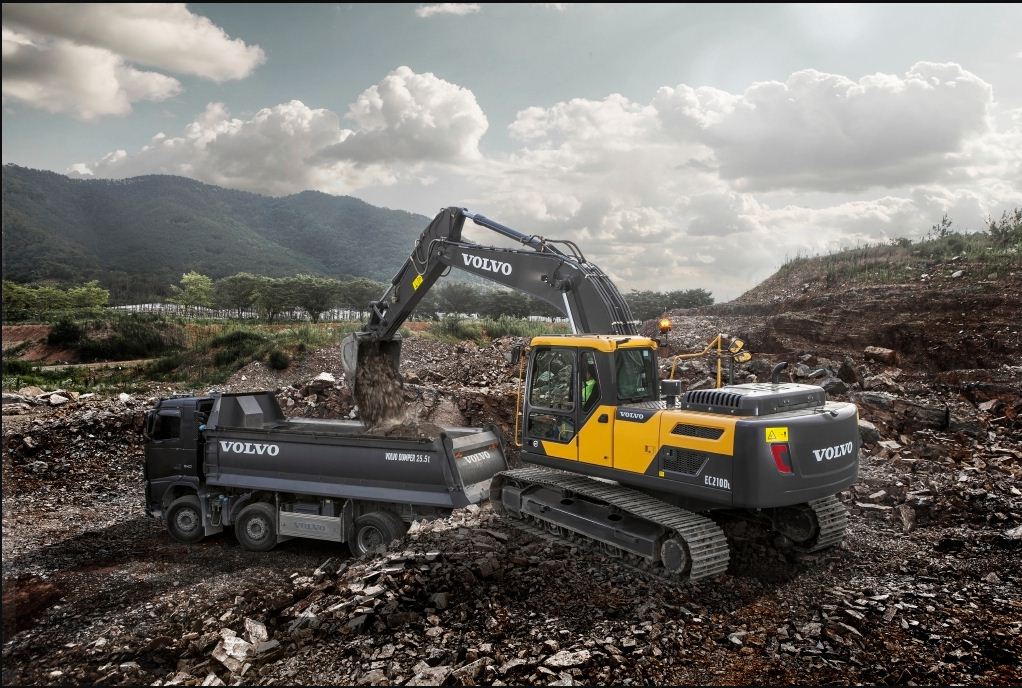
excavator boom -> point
(555, 271)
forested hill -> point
(138, 235)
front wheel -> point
(256, 527)
(184, 519)
(376, 529)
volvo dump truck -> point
(235, 461)
(620, 460)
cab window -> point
(553, 379)
(589, 380)
(168, 427)
(635, 377)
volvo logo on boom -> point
(494, 266)
(834, 452)
(249, 448)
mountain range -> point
(138, 235)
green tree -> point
(458, 297)
(89, 295)
(236, 292)
(50, 298)
(195, 290)
(272, 297)
(689, 298)
(504, 303)
(1007, 230)
(315, 295)
(358, 293)
(19, 300)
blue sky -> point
(677, 141)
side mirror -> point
(150, 422)
(743, 357)
(514, 355)
(736, 346)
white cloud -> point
(59, 76)
(400, 124)
(267, 152)
(825, 131)
(456, 8)
(412, 117)
(164, 36)
(659, 193)
(79, 59)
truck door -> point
(596, 437)
(169, 453)
(550, 420)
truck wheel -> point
(376, 529)
(184, 519)
(256, 527)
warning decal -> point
(777, 434)
(417, 282)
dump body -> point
(236, 449)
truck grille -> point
(697, 431)
(684, 461)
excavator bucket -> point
(357, 347)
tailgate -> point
(475, 459)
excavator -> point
(616, 458)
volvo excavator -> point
(618, 459)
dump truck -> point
(622, 461)
(234, 461)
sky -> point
(681, 146)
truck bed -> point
(249, 444)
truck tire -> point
(184, 519)
(375, 529)
(256, 527)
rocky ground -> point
(925, 588)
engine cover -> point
(756, 399)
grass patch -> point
(903, 259)
(453, 329)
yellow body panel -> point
(566, 450)
(725, 444)
(596, 439)
(600, 342)
(636, 444)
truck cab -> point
(173, 448)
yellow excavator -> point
(619, 459)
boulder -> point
(868, 432)
(847, 372)
(877, 353)
(58, 400)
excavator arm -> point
(555, 271)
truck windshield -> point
(635, 376)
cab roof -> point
(600, 342)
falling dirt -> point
(377, 390)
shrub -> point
(14, 366)
(278, 360)
(65, 332)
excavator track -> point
(832, 520)
(695, 546)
